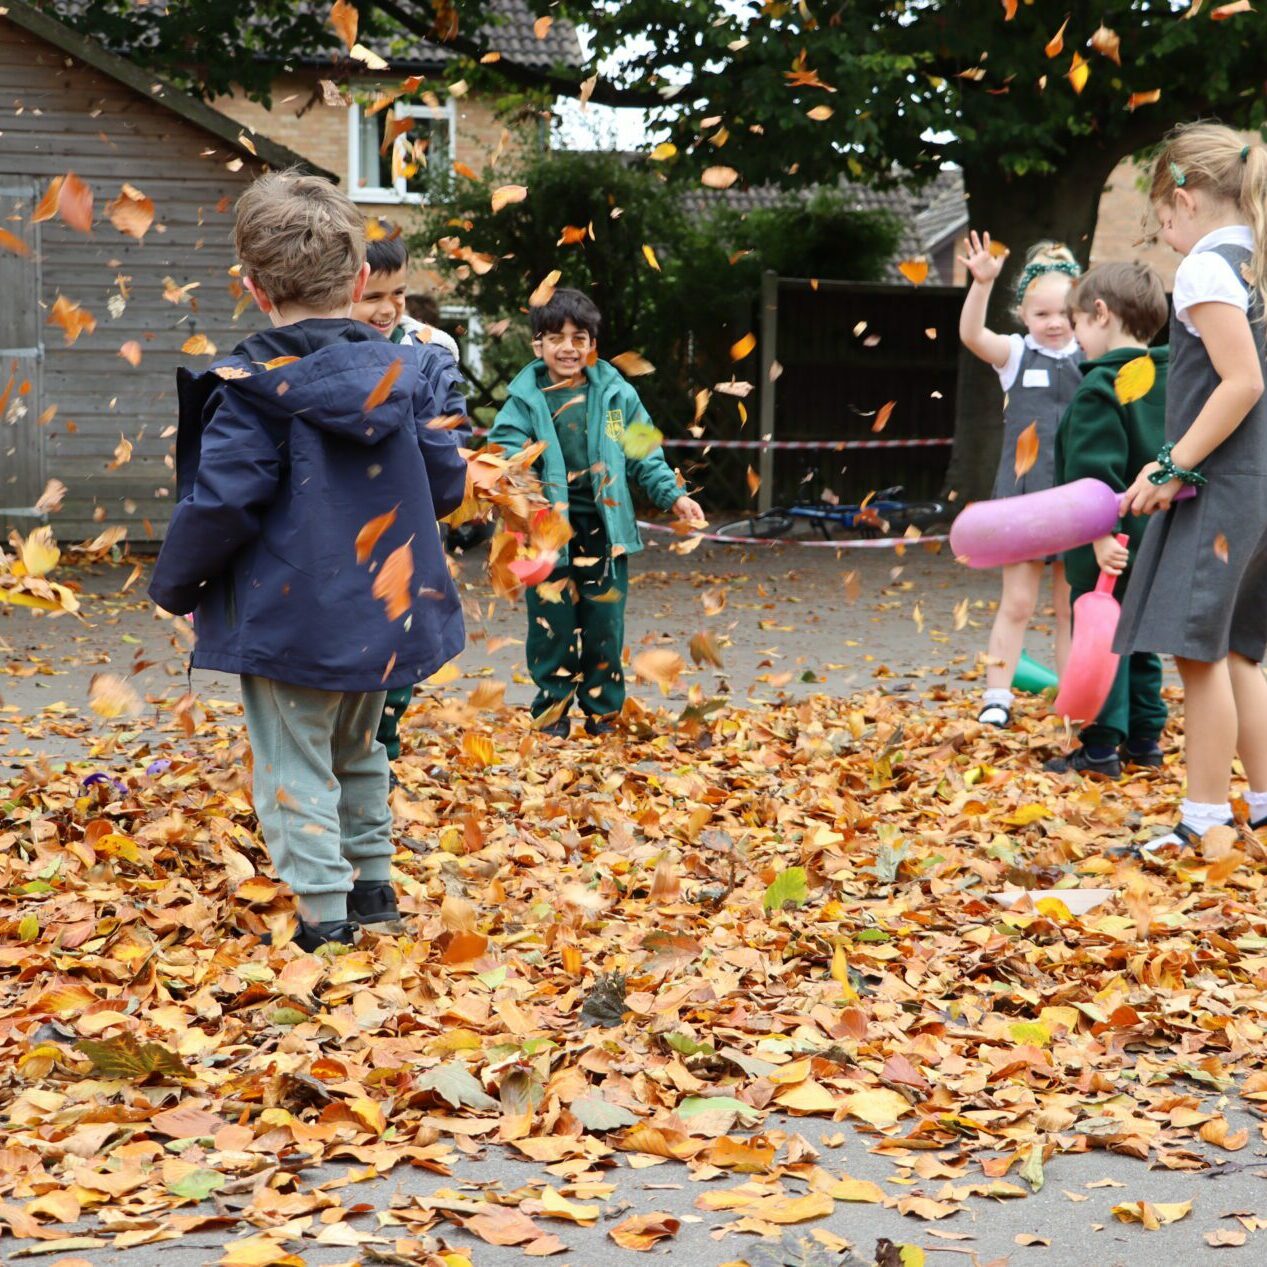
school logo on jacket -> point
(616, 425)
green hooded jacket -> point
(613, 405)
(1103, 438)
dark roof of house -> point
(141, 81)
(941, 209)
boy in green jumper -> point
(581, 407)
(1116, 309)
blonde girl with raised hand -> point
(1039, 374)
(1199, 588)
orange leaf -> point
(642, 1231)
(1106, 42)
(915, 271)
(11, 242)
(545, 289)
(1220, 548)
(131, 212)
(345, 19)
(1009, 10)
(571, 235)
(1057, 42)
(1079, 72)
(631, 364)
(369, 536)
(660, 665)
(198, 345)
(131, 352)
(383, 388)
(73, 319)
(464, 169)
(1026, 449)
(394, 580)
(718, 177)
(74, 202)
(754, 482)
(883, 414)
(743, 347)
(1224, 11)
(46, 208)
(504, 195)
(1143, 98)
(541, 27)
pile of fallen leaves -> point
(616, 952)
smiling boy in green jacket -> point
(582, 408)
(1116, 309)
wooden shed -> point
(87, 393)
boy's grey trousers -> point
(320, 790)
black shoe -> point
(1080, 761)
(392, 781)
(560, 729)
(598, 726)
(372, 902)
(1147, 754)
(310, 936)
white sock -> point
(1202, 817)
(997, 697)
(1257, 802)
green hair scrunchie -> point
(1039, 268)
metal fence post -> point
(769, 338)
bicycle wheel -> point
(768, 526)
(929, 517)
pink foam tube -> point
(1007, 530)
(1092, 666)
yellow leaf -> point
(445, 674)
(665, 150)
(808, 1097)
(39, 553)
(878, 1105)
(840, 973)
(478, 750)
(640, 440)
(1135, 379)
(911, 1256)
(109, 696)
(258, 1251)
(1152, 1214)
(857, 1190)
(743, 347)
(555, 1206)
(198, 345)
(504, 195)
(650, 255)
(915, 271)
(1079, 72)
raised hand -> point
(980, 261)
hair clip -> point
(1244, 153)
(1177, 174)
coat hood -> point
(326, 378)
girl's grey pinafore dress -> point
(1183, 599)
(1053, 381)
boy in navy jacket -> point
(286, 452)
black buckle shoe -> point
(560, 729)
(372, 902)
(1080, 761)
(1149, 758)
(598, 726)
(311, 936)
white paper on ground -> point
(1079, 901)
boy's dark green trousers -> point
(389, 725)
(1134, 709)
(574, 646)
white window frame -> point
(398, 191)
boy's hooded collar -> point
(1115, 358)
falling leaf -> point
(73, 319)
(660, 666)
(1135, 379)
(11, 242)
(383, 388)
(465, 170)
(504, 195)
(632, 364)
(882, 415)
(541, 27)
(198, 345)
(38, 553)
(820, 113)
(345, 19)
(369, 535)
(640, 440)
(1221, 548)
(665, 150)
(69, 197)
(1027, 445)
(754, 482)
(111, 697)
(1009, 9)
(1105, 41)
(49, 501)
(131, 212)
(1056, 44)
(915, 271)
(393, 582)
(122, 454)
(743, 347)
(650, 256)
(1079, 72)
(718, 177)
(1143, 98)
(131, 352)
(1224, 11)
(545, 289)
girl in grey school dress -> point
(1039, 374)
(1199, 587)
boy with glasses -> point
(581, 407)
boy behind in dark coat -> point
(287, 451)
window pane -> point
(430, 140)
(371, 137)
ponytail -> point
(1253, 202)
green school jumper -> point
(574, 645)
(1106, 440)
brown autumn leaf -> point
(718, 177)
(642, 1232)
(131, 352)
(122, 454)
(661, 667)
(1224, 11)
(915, 271)
(131, 212)
(1106, 42)
(394, 581)
(1221, 548)
(1026, 450)
(703, 648)
(545, 289)
(383, 388)
(506, 195)
(1136, 99)
(1055, 45)
(50, 500)
(198, 345)
(69, 197)
(632, 364)
(73, 319)
(11, 242)
(345, 19)
(882, 415)
(541, 27)
(369, 535)
(112, 697)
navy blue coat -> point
(277, 472)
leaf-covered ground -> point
(617, 952)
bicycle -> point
(883, 514)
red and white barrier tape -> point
(670, 442)
(875, 543)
